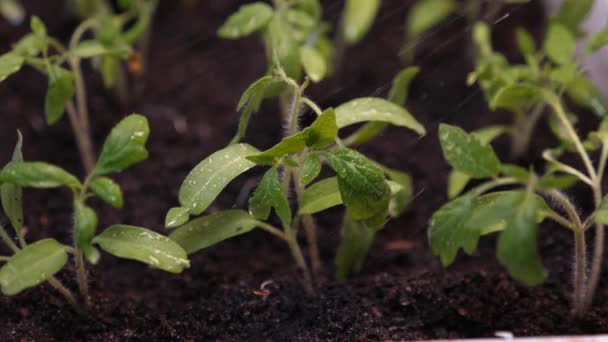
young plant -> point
(34, 263)
(62, 65)
(294, 163)
(553, 67)
(516, 212)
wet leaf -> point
(205, 182)
(467, 154)
(362, 184)
(247, 20)
(108, 191)
(376, 109)
(141, 244)
(208, 230)
(32, 266)
(37, 175)
(124, 146)
(268, 195)
(359, 15)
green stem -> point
(83, 139)
(598, 252)
(7, 240)
(580, 270)
(485, 187)
(83, 283)
(292, 242)
(272, 230)
(310, 228)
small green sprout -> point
(516, 212)
(34, 263)
(360, 184)
(62, 65)
(553, 66)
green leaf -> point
(247, 20)
(27, 46)
(427, 13)
(584, 93)
(205, 182)
(108, 191)
(32, 266)
(519, 173)
(124, 146)
(447, 232)
(311, 168)
(601, 215)
(402, 194)
(597, 41)
(270, 194)
(516, 247)
(94, 48)
(551, 181)
(136, 243)
(516, 97)
(109, 70)
(209, 230)
(320, 196)
(559, 44)
(356, 241)
(60, 91)
(359, 15)
(572, 13)
(401, 85)
(85, 225)
(525, 42)
(467, 154)
(11, 194)
(363, 187)
(314, 64)
(282, 45)
(176, 217)
(37, 175)
(10, 63)
(376, 109)
(38, 28)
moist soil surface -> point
(189, 90)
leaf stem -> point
(272, 230)
(598, 251)
(310, 228)
(485, 187)
(580, 270)
(7, 240)
(82, 277)
(312, 105)
(292, 242)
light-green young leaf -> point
(359, 15)
(597, 41)
(356, 241)
(270, 194)
(10, 63)
(60, 90)
(106, 189)
(572, 13)
(467, 154)
(124, 146)
(247, 20)
(525, 42)
(362, 184)
(144, 245)
(32, 266)
(314, 64)
(427, 13)
(37, 175)
(207, 179)
(320, 196)
(584, 93)
(208, 230)
(11, 194)
(376, 109)
(516, 97)
(311, 168)
(85, 225)
(559, 44)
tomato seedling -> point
(553, 66)
(360, 184)
(34, 263)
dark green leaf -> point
(143, 245)
(357, 239)
(124, 146)
(32, 265)
(311, 168)
(467, 154)
(363, 187)
(60, 91)
(11, 194)
(37, 175)
(270, 194)
(517, 248)
(447, 232)
(85, 225)
(108, 191)
(320, 196)
(247, 20)
(359, 15)
(205, 182)
(559, 44)
(427, 13)
(209, 230)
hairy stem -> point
(310, 228)
(83, 138)
(7, 240)
(82, 278)
(580, 270)
(598, 252)
(292, 242)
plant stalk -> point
(83, 139)
(292, 242)
(82, 277)
(525, 126)
(580, 270)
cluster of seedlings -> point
(505, 198)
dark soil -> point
(189, 91)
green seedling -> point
(62, 65)
(515, 212)
(360, 184)
(34, 263)
(553, 67)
